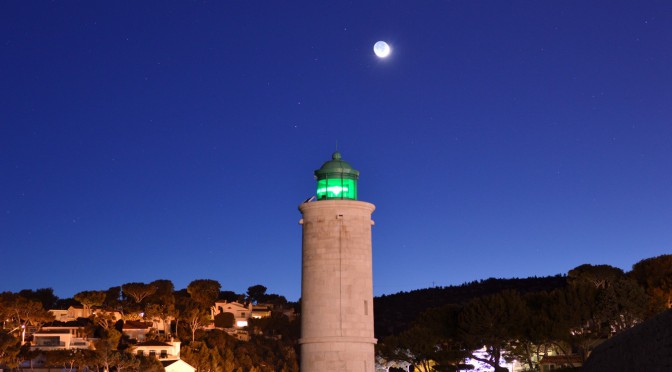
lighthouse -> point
(337, 276)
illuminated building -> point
(337, 280)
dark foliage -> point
(224, 320)
(45, 296)
(394, 313)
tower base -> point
(338, 354)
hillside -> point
(394, 313)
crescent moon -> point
(382, 49)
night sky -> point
(144, 140)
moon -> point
(381, 49)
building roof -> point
(227, 305)
(153, 343)
(53, 331)
(336, 168)
(177, 365)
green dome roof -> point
(336, 168)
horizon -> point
(243, 292)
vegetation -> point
(395, 313)
(437, 329)
(521, 319)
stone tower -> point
(337, 278)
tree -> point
(106, 346)
(204, 291)
(90, 298)
(71, 359)
(536, 332)
(32, 313)
(256, 293)
(275, 299)
(492, 322)
(182, 302)
(10, 347)
(149, 364)
(200, 356)
(45, 296)
(103, 319)
(224, 320)
(575, 318)
(655, 276)
(601, 276)
(18, 312)
(113, 298)
(138, 291)
(164, 292)
(195, 317)
(231, 296)
(623, 304)
(65, 303)
(164, 312)
(430, 343)
(133, 295)
(123, 360)
(86, 360)
(277, 324)
(224, 346)
(68, 359)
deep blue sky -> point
(174, 140)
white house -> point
(241, 313)
(72, 313)
(55, 338)
(161, 350)
(168, 353)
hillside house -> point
(61, 338)
(161, 350)
(241, 313)
(75, 312)
(168, 353)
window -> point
(141, 352)
(164, 354)
(152, 353)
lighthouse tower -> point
(337, 279)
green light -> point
(336, 179)
(336, 188)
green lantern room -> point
(336, 179)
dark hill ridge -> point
(394, 313)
